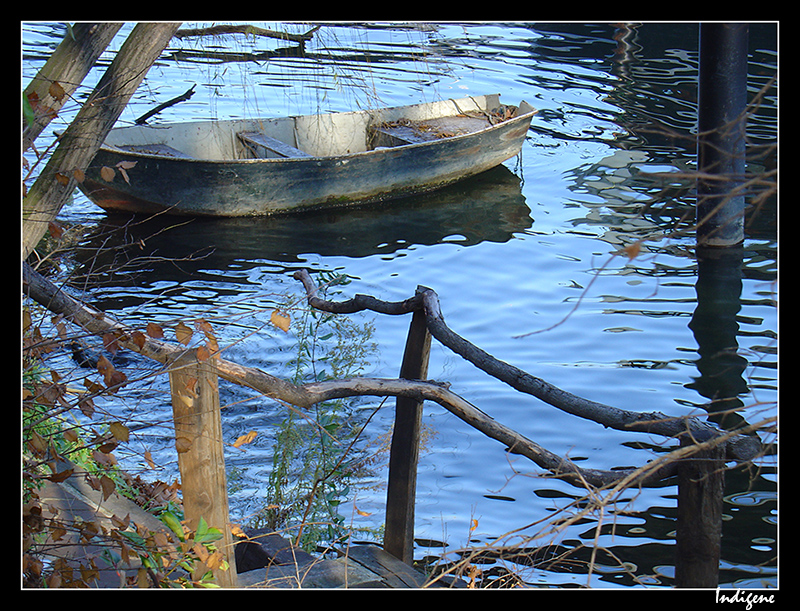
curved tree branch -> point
(307, 395)
(48, 295)
(740, 447)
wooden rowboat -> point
(260, 167)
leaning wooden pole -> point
(63, 72)
(81, 140)
(198, 440)
(398, 537)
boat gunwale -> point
(116, 150)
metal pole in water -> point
(722, 101)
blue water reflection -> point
(509, 253)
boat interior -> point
(321, 135)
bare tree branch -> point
(48, 295)
(740, 448)
(307, 395)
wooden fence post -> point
(701, 481)
(398, 538)
(198, 439)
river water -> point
(527, 247)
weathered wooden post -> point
(701, 480)
(398, 537)
(721, 106)
(198, 439)
(721, 120)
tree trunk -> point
(87, 131)
(68, 66)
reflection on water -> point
(489, 207)
(508, 251)
(714, 324)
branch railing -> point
(197, 411)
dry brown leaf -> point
(104, 366)
(55, 230)
(203, 353)
(119, 431)
(122, 166)
(111, 343)
(121, 523)
(215, 560)
(86, 405)
(245, 439)
(60, 476)
(161, 539)
(280, 320)
(183, 333)
(125, 552)
(155, 331)
(203, 325)
(58, 533)
(201, 551)
(138, 338)
(37, 443)
(56, 91)
(107, 173)
(211, 340)
(108, 486)
(111, 377)
(88, 574)
(632, 250)
(183, 444)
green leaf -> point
(174, 524)
(27, 110)
(205, 534)
(133, 537)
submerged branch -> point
(181, 98)
(245, 29)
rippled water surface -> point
(520, 249)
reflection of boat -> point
(267, 166)
(487, 207)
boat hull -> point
(152, 183)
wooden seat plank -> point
(256, 140)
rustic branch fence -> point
(699, 462)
